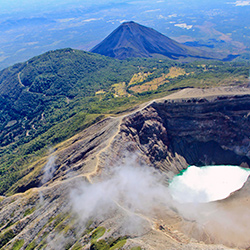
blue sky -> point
(36, 6)
(10, 6)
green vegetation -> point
(42, 244)
(18, 244)
(100, 245)
(53, 97)
(29, 211)
(110, 244)
(119, 244)
(31, 246)
(10, 223)
(99, 232)
(56, 222)
(77, 246)
(88, 229)
(136, 248)
(45, 234)
(6, 237)
(68, 245)
(59, 222)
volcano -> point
(131, 39)
(109, 188)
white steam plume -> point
(133, 190)
(139, 194)
(48, 169)
(210, 183)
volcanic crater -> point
(186, 128)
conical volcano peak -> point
(136, 27)
(131, 39)
(129, 23)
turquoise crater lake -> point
(209, 183)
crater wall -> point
(197, 131)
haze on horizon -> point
(29, 28)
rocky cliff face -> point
(202, 131)
(167, 135)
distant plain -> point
(29, 28)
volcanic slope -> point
(81, 199)
(49, 89)
(55, 95)
(131, 39)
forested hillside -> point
(53, 96)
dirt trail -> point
(19, 79)
(188, 93)
(211, 92)
(182, 94)
(20, 82)
(94, 172)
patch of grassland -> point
(77, 246)
(99, 245)
(119, 89)
(18, 244)
(6, 237)
(110, 244)
(139, 78)
(175, 72)
(31, 246)
(143, 84)
(149, 86)
(99, 232)
(59, 224)
(100, 92)
(29, 211)
(119, 244)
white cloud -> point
(65, 20)
(173, 15)
(242, 3)
(167, 17)
(123, 21)
(92, 19)
(184, 26)
(77, 20)
(162, 17)
(152, 10)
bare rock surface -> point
(190, 127)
